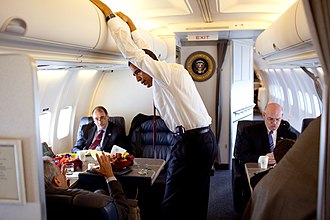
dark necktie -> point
(271, 142)
(97, 141)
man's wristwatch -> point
(112, 15)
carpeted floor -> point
(220, 200)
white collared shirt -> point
(174, 92)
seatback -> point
(305, 123)
(61, 207)
(141, 137)
(239, 181)
(118, 120)
(141, 140)
(243, 124)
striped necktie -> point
(271, 142)
(97, 141)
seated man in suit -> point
(56, 184)
(289, 191)
(255, 141)
(261, 139)
(100, 134)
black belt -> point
(196, 131)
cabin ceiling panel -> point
(179, 16)
(253, 6)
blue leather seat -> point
(61, 207)
(141, 140)
(305, 123)
(241, 192)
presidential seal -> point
(200, 65)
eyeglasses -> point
(276, 120)
(102, 118)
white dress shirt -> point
(174, 91)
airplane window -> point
(301, 101)
(281, 93)
(316, 105)
(290, 97)
(64, 122)
(44, 124)
(309, 104)
(277, 93)
(272, 92)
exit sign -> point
(202, 37)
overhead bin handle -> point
(275, 47)
(14, 25)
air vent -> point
(204, 7)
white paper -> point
(116, 149)
(8, 180)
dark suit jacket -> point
(289, 191)
(114, 135)
(81, 202)
(253, 141)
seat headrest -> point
(247, 123)
(118, 120)
(305, 123)
(85, 120)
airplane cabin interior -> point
(58, 61)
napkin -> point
(116, 149)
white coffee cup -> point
(81, 155)
(263, 162)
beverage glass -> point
(69, 168)
(143, 169)
(263, 162)
(90, 166)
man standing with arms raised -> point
(181, 107)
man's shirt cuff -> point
(111, 178)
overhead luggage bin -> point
(60, 30)
(73, 23)
(288, 39)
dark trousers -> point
(188, 177)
